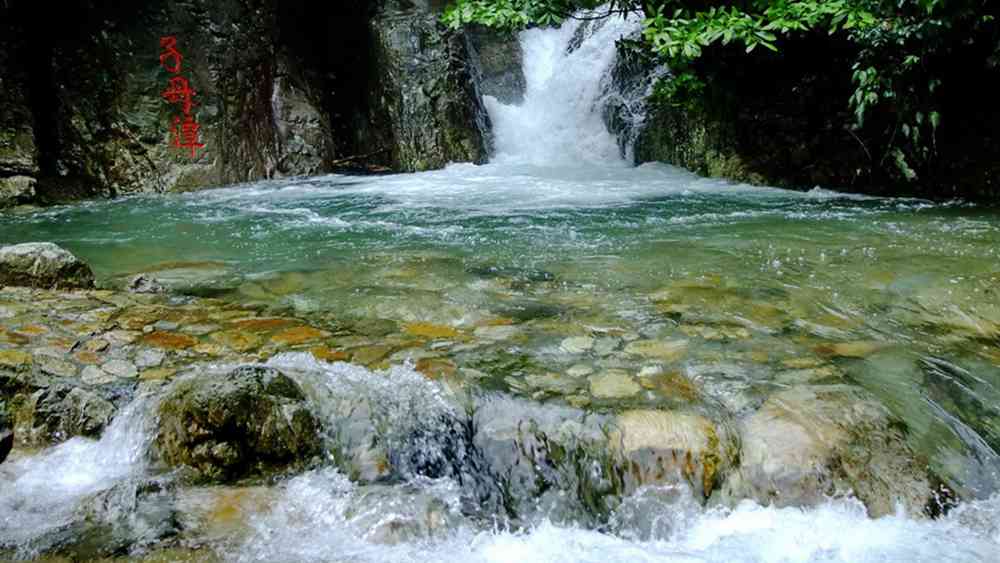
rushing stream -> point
(557, 257)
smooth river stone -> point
(149, 358)
(56, 366)
(577, 344)
(613, 384)
(93, 375)
(120, 369)
(496, 332)
(667, 350)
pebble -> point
(149, 358)
(93, 375)
(577, 344)
(120, 369)
(579, 370)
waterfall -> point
(570, 82)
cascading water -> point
(567, 72)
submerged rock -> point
(142, 283)
(810, 442)
(668, 447)
(226, 427)
(44, 265)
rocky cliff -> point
(281, 88)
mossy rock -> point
(250, 421)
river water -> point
(560, 237)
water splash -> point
(560, 120)
(45, 493)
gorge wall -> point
(282, 88)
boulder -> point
(251, 420)
(809, 442)
(43, 265)
(60, 412)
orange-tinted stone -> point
(169, 340)
(263, 325)
(236, 340)
(32, 330)
(87, 358)
(298, 335)
(436, 368)
(329, 354)
(428, 330)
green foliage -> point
(897, 43)
(681, 91)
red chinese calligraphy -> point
(170, 53)
(186, 135)
(179, 90)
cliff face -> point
(783, 120)
(282, 88)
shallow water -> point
(556, 256)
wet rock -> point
(577, 344)
(250, 420)
(498, 56)
(15, 190)
(120, 369)
(43, 265)
(613, 384)
(6, 432)
(94, 375)
(667, 447)
(15, 360)
(657, 349)
(56, 366)
(143, 283)
(502, 332)
(149, 358)
(809, 442)
(61, 412)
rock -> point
(15, 359)
(250, 420)
(579, 370)
(93, 375)
(498, 56)
(424, 105)
(120, 369)
(143, 283)
(428, 330)
(169, 340)
(298, 335)
(502, 332)
(657, 349)
(149, 358)
(44, 265)
(666, 447)
(577, 344)
(15, 190)
(613, 384)
(860, 349)
(61, 412)
(809, 442)
(57, 367)
(6, 432)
